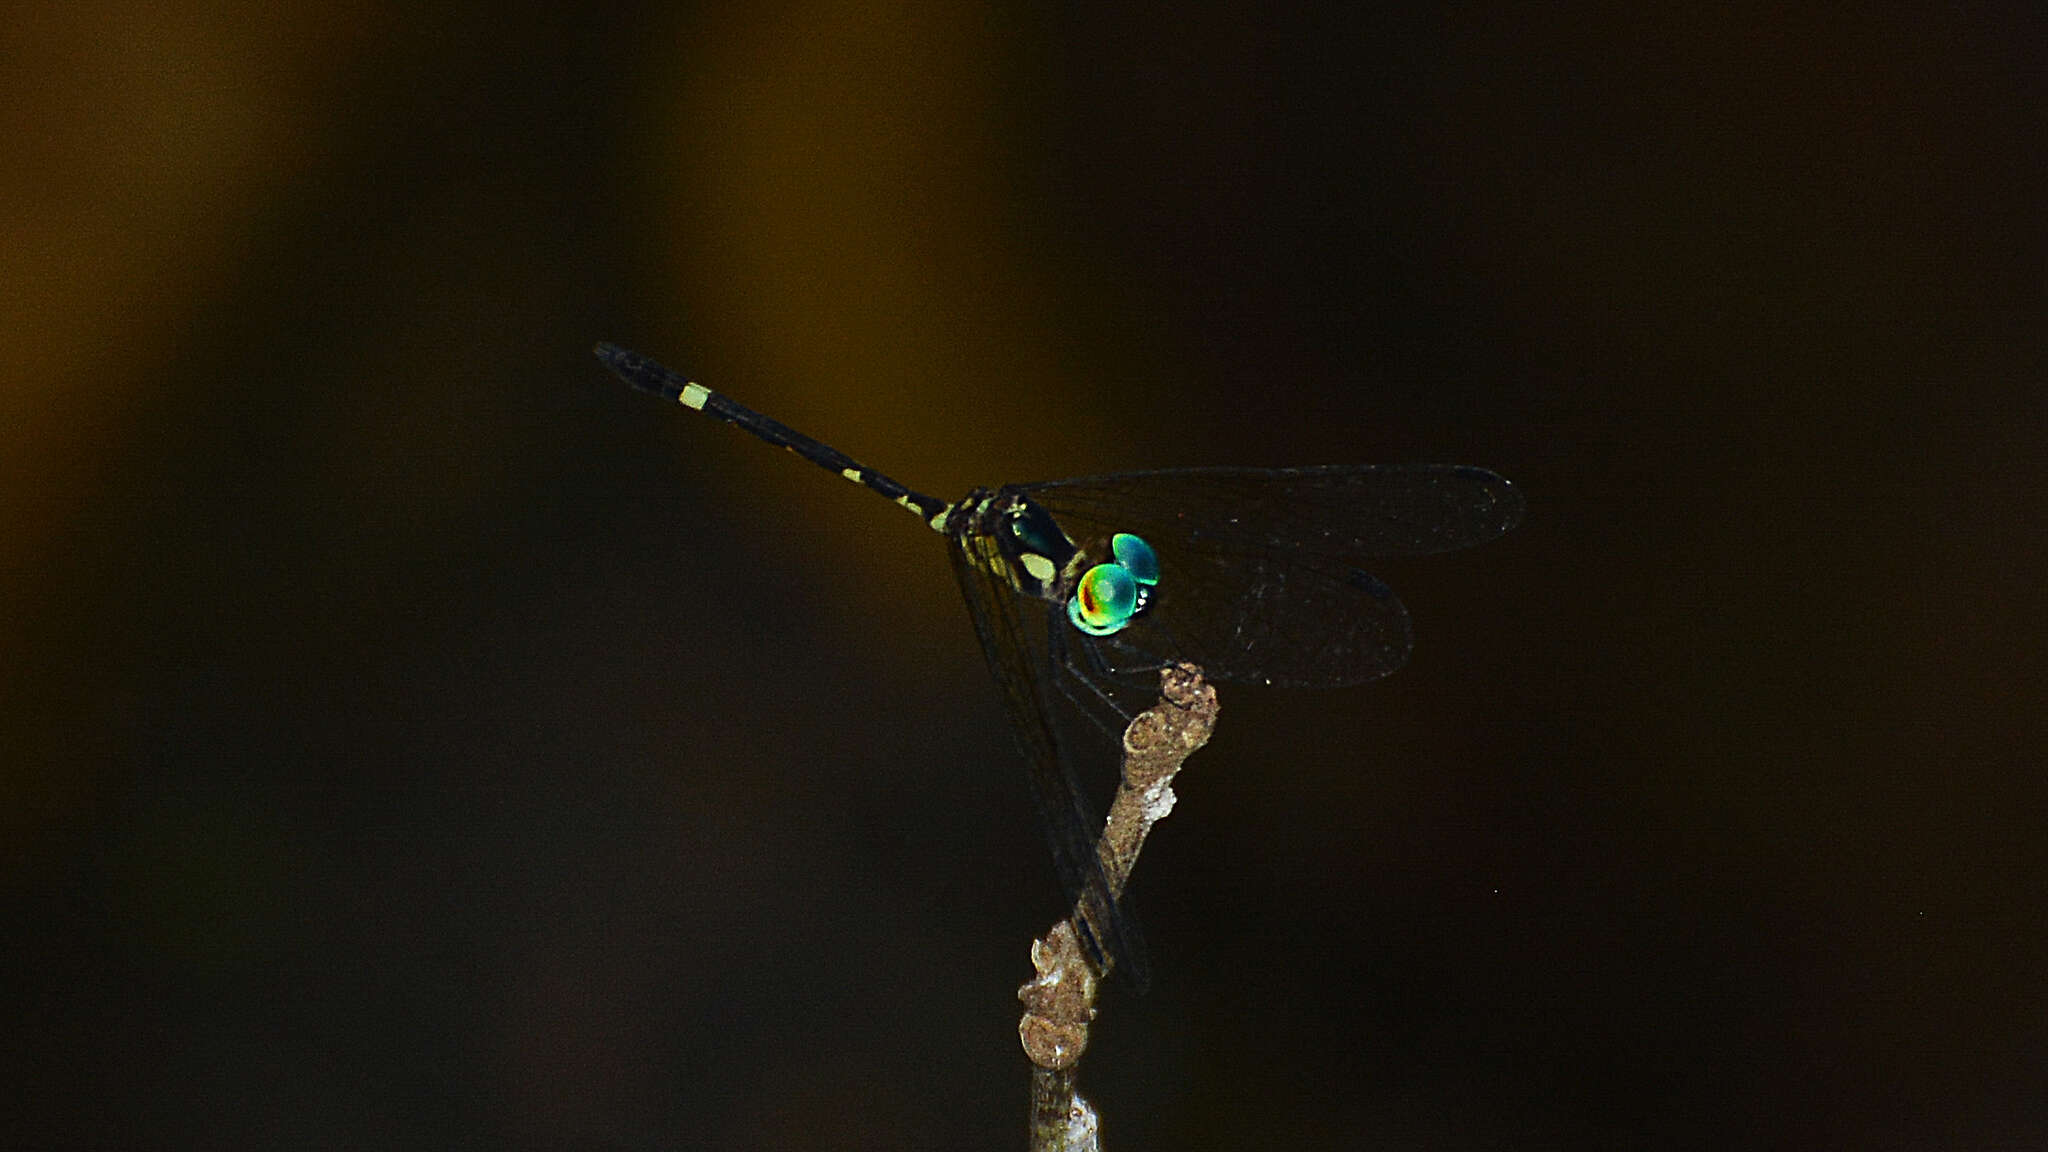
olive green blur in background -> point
(412, 738)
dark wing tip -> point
(1369, 584)
(1508, 506)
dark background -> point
(413, 738)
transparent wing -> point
(1349, 511)
(1293, 622)
(1259, 567)
(1014, 637)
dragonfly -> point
(1075, 587)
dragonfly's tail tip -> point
(626, 364)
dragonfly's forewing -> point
(1260, 577)
(1356, 511)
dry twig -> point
(1059, 1004)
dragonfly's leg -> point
(1091, 701)
(1138, 663)
(1067, 675)
(1143, 663)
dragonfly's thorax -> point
(1022, 542)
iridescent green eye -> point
(1104, 600)
(1136, 557)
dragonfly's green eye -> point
(1104, 600)
(1136, 557)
